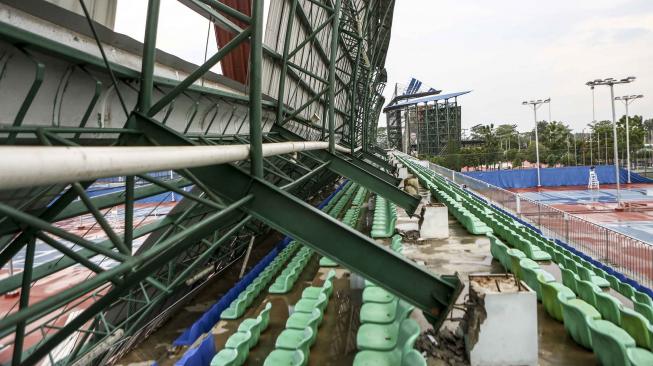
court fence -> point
(621, 252)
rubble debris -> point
(444, 346)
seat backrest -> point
(408, 333)
(637, 326)
(321, 302)
(568, 279)
(643, 298)
(586, 292)
(626, 290)
(609, 307)
(583, 273)
(644, 309)
(305, 344)
(264, 316)
(608, 342)
(404, 310)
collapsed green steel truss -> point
(228, 203)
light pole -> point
(589, 83)
(627, 99)
(536, 104)
(611, 83)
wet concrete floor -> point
(465, 254)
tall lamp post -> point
(536, 104)
(611, 82)
(589, 83)
(627, 99)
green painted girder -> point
(376, 160)
(435, 295)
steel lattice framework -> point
(316, 74)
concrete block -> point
(402, 173)
(500, 324)
(435, 223)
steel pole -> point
(149, 56)
(614, 145)
(255, 95)
(335, 33)
(537, 147)
(627, 141)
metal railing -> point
(630, 256)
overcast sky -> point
(511, 50)
(505, 51)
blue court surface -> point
(632, 223)
(587, 196)
(642, 230)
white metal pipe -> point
(25, 166)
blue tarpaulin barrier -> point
(211, 317)
(200, 356)
(554, 177)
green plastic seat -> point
(627, 290)
(413, 358)
(327, 288)
(530, 275)
(377, 294)
(302, 320)
(645, 310)
(286, 358)
(640, 357)
(380, 313)
(569, 278)
(408, 333)
(515, 256)
(637, 326)
(576, 313)
(587, 291)
(550, 293)
(379, 337)
(609, 307)
(296, 340)
(587, 275)
(256, 325)
(535, 253)
(226, 357)
(610, 342)
(643, 298)
(614, 282)
(240, 342)
(235, 310)
(307, 305)
(327, 262)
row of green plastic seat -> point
(337, 196)
(238, 307)
(289, 275)
(292, 347)
(360, 197)
(238, 345)
(581, 316)
(342, 201)
(387, 335)
(351, 219)
(287, 278)
(385, 218)
(586, 282)
(452, 200)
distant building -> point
(428, 123)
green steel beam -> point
(278, 209)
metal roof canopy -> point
(429, 98)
